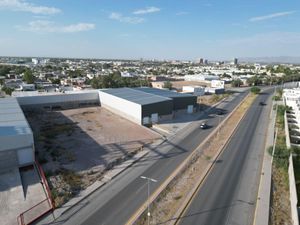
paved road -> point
(229, 193)
(118, 200)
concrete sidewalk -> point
(20, 191)
(172, 127)
(262, 211)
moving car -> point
(203, 126)
(220, 112)
(262, 103)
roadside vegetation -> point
(115, 80)
(216, 98)
(255, 90)
(280, 202)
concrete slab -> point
(19, 192)
(11, 195)
(181, 121)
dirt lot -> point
(76, 146)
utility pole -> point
(148, 200)
(219, 122)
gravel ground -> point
(76, 146)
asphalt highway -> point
(117, 201)
(228, 195)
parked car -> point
(262, 103)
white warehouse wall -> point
(58, 98)
(122, 107)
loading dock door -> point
(190, 109)
(154, 117)
(25, 156)
(146, 120)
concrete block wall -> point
(293, 193)
(287, 133)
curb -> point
(265, 168)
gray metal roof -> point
(162, 93)
(12, 119)
(136, 96)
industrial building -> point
(201, 77)
(194, 90)
(143, 106)
(184, 102)
(146, 105)
(16, 138)
(59, 100)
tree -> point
(255, 90)
(253, 81)
(236, 83)
(168, 84)
(28, 77)
(279, 92)
(4, 70)
(7, 90)
(55, 81)
(115, 80)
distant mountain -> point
(269, 60)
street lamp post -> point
(219, 128)
(148, 184)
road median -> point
(170, 199)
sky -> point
(150, 29)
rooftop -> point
(137, 96)
(162, 92)
(12, 119)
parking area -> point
(77, 146)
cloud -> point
(45, 26)
(271, 16)
(182, 13)
(126, 19)
(24, 6)
(146, 10)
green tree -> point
(4, 70)
(255, 90)
(28, 77)
(253, 81)
(236, 83)
(55, 81)
(279, 92)
(7, 90)
(168, 85)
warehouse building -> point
(16, 138)
(146, 105)
(59, 100)
(181, 102)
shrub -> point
(255, 90)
